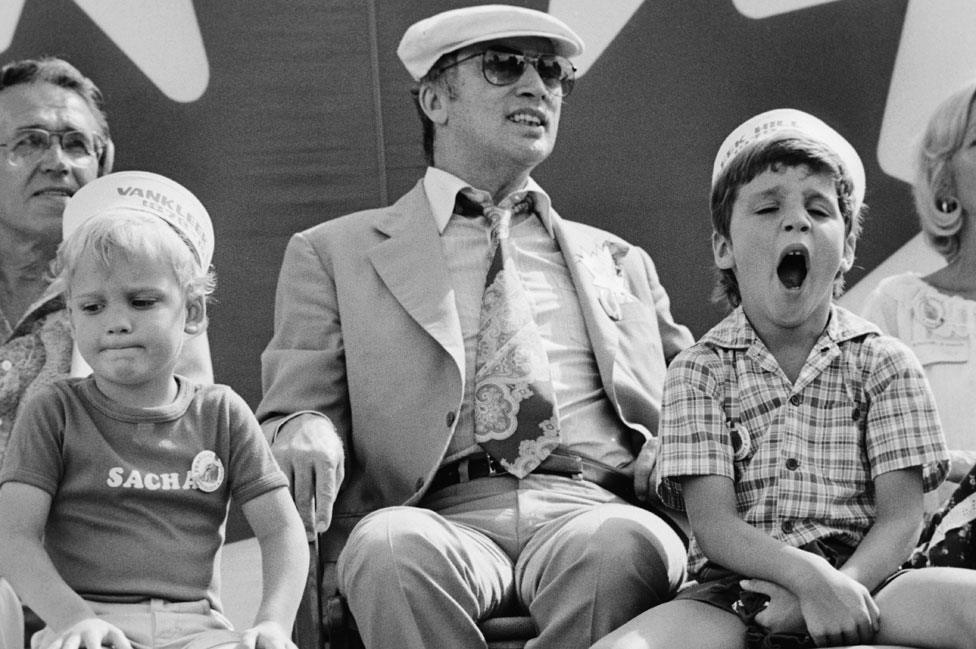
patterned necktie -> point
(515, 416)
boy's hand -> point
(267, 635)
(91, 633)
(782, 614)
(838, 610)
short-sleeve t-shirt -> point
(139, 495)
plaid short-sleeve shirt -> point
(803, 456)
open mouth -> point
(792, 268)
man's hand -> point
(645, 470)
(91, 633)
(310, 453)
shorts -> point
(159, 624)
(719, 587)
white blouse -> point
(941, 330)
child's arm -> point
(26, 564)
(837, 610)
(284, 566)
(898, 521)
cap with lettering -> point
(142, 191)
(426, 41)
(783, 123)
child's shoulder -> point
(216, 397)
(708, 360)
(211, 392)
(60, 389)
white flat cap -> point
(783, 123)
(142, 191)
(426, 41)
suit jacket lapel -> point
(411, 264)
(599, 327)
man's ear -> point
(196, 315)
(433, 101)
(107, 160)
(722, 251)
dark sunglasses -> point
(502, 68)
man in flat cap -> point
(467, 385)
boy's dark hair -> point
(776, 155)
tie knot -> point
(472, 202)
(500, 220)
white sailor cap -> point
(782, 123)
(428, 40)
(142, 191)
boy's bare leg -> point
(930, 607)
(681, 624)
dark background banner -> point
(306, 115)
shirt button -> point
(796, 400)
(787, 527)
(6, 365)
(792, 464)
(450, 418)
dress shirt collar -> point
(442, 188)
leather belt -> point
(559, 462)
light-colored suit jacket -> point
(367, 333)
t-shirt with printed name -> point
(139, 495)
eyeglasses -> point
(503, 68)
(29, 144)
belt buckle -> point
(494, 466)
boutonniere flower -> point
(604, 265)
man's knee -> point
(392, 541)
(628, 538)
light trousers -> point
(578, 558)
(158, 624)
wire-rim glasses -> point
(29, 144)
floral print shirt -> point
(34, 353)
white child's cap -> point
(149, 193)
(426, 41)
(783, 123)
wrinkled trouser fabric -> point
(578, 558)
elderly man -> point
(470, 380)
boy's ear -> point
(722, 251)
(433, 102)
(847, 261)
(196, 315)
